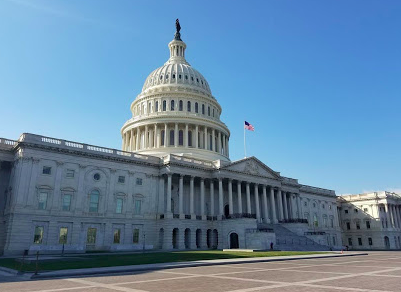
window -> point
(138, 181)
(138, 206)
(180, 106)
(62, 238)
(91, 236)
(179, 76)
(186, 76)
(164, 105)
(196, 107)
(135, 236)
(367, 224)
(350, 241)
(66, 202)
(47, 170)
(70, 173)
(355, 210)
(180, 138)
(171, 138)
(166, 76)
(149, 107)
(42, 201)
(189, 106)
(189, 138)
(332, 222)
(348, 226)
(94, 201)
(305, 204)
(208, 111)
(172, 105)
(117, 233)
(173, 76)
(315, 221)
(96, 176)
(370, 241)
(192, 78)
(314, 205)
(119, 206)
(323, 206)
(329, 207)
(325, 221)
(121, 179)
(162, 138)
(359, 241)
(346, 211)
(38, 236)
(358, 225)
(203, 109)
(156, 106)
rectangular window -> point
(94, 203)
(91, 236)
(370, 241)
(117, 233)
(62, 238)
(47, 170)
(121, 179)
(70, 173)
(139, 181)
(358, 226)
(350, 241)
(38, 237)
(348, 226)
(332, 222)
(365, 210)
(138, 206)
(119, 206)
(66, 202)
(42, 201)
(135, 236)
(367, 224)
(359, 241)
(346, 211)
(356, 210)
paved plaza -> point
(378, 271)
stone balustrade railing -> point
(7, 143)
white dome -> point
(181, 74)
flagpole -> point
(244, 142)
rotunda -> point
(176, 113)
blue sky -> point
(319, 80)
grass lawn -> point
(95, 261)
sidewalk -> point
(152, 267)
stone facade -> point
(371, 220)
(172, 186)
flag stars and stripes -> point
(248, 126)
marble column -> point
(230, 196)
(239, 197)
(196, 136)
(221, 207)
(299, 208)
(397, 212)
(219, 142)
(155, 140)
(161, 194)
(176, 134)
(202, 197)
(224, 145)
(146, 136)
(168, 203)
(286, 213)
(213, 140)
(257, 206)
(248, 199)
(166, 135)
(265, 207)
(273, 206)
(181, 196)
(211, 197)
(138, 138)
(280, 205)
(191, 197)
(186, 136)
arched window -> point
(94, 201)
(156, 106)
(315, 221)
(190, 138)
(164, 105)
(162, 137)
(189, 106)
(180, 138)
(196, 107)
(203, 109)
(180, 106)
(171, 137)
(172, 105)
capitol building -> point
(171, 186)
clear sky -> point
(319, 80)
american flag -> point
(248, 126)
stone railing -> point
(70, 145)
(315, 233)
(7, 143)
(294, 221)
(316, 190)
(186, 160)
(240, 215)
(254, 230)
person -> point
(271, 245)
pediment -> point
(253, 166)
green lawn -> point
(95, 261)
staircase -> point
(288, 240)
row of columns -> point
(288, 205)
(393, 213)
(132, 139)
